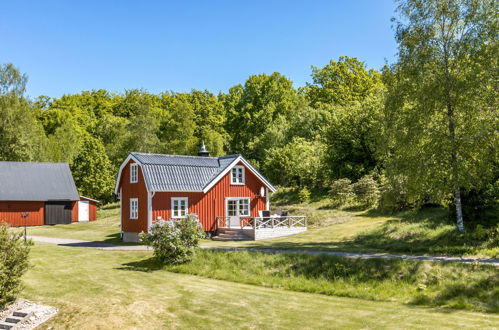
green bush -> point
(13, 263)
(304, 195)
(394, 194)
(341, 191)
(366, 191)
(174, 241)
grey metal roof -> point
(181, 173)
(24, 181)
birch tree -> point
(441, 112)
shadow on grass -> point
(116, 239)
(146, 265)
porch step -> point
(218, 238)
(231, 235)
(13, 320)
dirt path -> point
(109, 246)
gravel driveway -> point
(109, 246)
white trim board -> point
(90, 199)
(229, 168)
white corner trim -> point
(130, 157)
(150, 195)
(121, 215)
(90, 199)
(229, 168)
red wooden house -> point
(155, 186)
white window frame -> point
(238, 208)
(134, 208)
(237, 168)
(179, 215)
(134, 173)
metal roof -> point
(25, 181)
(181, 173)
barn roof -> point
(25, 181)
(185, 173)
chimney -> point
(203, 151)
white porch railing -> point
(263, 222)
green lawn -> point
(105, 229)
(96, 289)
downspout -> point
(267, 199)
(150, 195)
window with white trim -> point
(179, 207)
(134, 173)
(237, 175)
(238, 207)
(134, 208)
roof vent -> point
(203, 151)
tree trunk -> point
(459, 210)
(455, 169)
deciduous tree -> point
(442, 109)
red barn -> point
(44, 192)
(155, 186)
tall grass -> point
(453, 285)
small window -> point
(237, 176)
(179, 207)
(134, 208)
(134, 173)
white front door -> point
(236, 208)
(83, 210)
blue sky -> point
(69, 46)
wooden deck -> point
(259, 228)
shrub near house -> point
(174, 241)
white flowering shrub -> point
(174, 241)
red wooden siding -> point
(74, 212)
(133, 190)
(212, 204)
(10, 212)
(93, 211)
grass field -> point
(109, 289)
(105, 229)
(96, 289)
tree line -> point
(425, 128)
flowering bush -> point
(174, 241)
